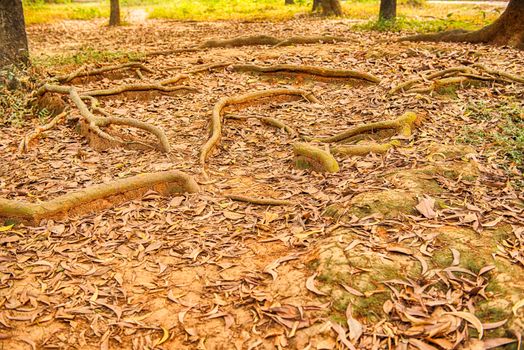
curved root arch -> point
(216, 118)
(167, 182)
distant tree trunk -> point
(290, 2)
(508, 29)
(388, 9)
(13, 39)
(329, 7)
(114, 17)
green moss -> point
(371, 308)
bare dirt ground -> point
(419, 248)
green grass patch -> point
(499, 127)
(39, 13)
(85, 55)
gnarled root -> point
(84, 72)
(216, 119)
(403, 123)
(158, 86)
(308, 156)
(24, 144)
(259, 201)
(95, 123)
(455, 75)
(312, 70)
(99, 196)
(362, 150)
(270, 40)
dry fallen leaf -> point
(310, 285)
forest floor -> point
(418, 248)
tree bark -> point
(388, 10)
(508, 30)
(329, 7)
(13, 39)
(114, 17)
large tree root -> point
(454, 76)
(84, 72)
(216, 119)
(260, 201)
(254, 40)
(311, 157)
(99, 196)
(403, 124)
(312, 70)
(363, 149)
(95, 123)
(24, 144)
(162, 86)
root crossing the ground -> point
(303, 69)
(167, 182)
(216, 118)
(95, 123)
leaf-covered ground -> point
(420, 248)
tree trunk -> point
(114, 17)
(289, 2)
(329, 7)
(316, 5)
(388, 10)
(13, 39)
(508, 29)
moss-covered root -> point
(404, 124)
(311, 157)
(99, 196)
(362, 150)
(312, 70)
(216, 119)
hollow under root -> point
(216, 118)
(311, 157)
(404, 124)
(311, 70)
(98, 197)
(95, 123)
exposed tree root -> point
(403, 123)
(24, 144)
(216, 119)
(99, 196)
(270, 40)
(95, 123)
(361, 150)
(84, 72)
(207, 67)
(259, 201)
(159, 86)
(311, 157)
(253, 40)
(312, 70)
(279, 124)
(453, 76)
